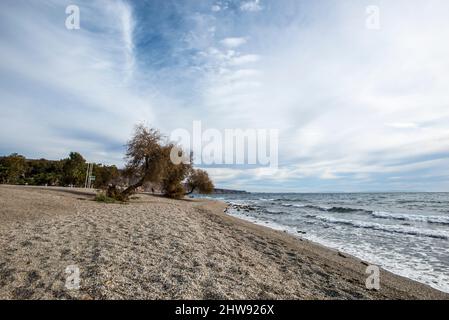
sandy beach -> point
(157, 248)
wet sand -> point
(157, 248)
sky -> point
(359, 107)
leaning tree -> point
(144, 161)
(166, 164)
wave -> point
(422, 201)
(307, 206)
(288, 200)
(347, 210)
(441, 220)
(254, 208)
(288, 205)
(327, 209)
(409, 217)
(387, 228)
(273, 212)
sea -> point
(405, 233)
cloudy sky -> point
(358, 108)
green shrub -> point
(101, 197)
(114, 193)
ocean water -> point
(405, 233)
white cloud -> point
(80, 94)
(353, 106)
(242, 74)
(251, 6)
(402, 125)
(233, 42)
(244, 59)
(127, 31)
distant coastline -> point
(229, 191)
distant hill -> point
(226, 191)
(229, 191)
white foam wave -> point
(388, 228)
(410, 217)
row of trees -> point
(150, 160)
(16, 169)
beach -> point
(158, 248)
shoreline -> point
(158, 248)
(335, 255)
(298, 235)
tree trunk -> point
(190, 192)
(131, 189)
